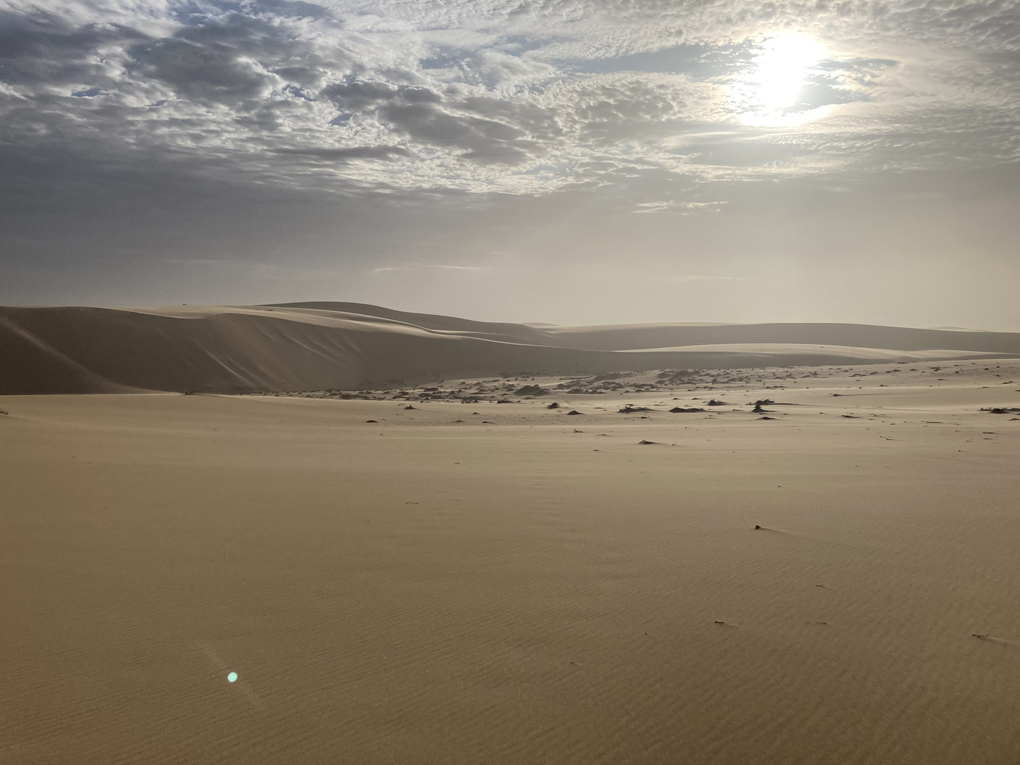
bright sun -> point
(767, 93)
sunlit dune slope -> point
(635, 336)
(310, 346)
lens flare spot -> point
(232, 677)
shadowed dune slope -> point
(30, 365)
(311, 346)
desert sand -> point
(307, 346)
(418, 573)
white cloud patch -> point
(677, 207)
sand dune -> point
(850, 335)
(309, 346)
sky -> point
(561, 161)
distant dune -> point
(311, 346)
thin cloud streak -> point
(695, 278)
(411, 267)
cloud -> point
(419, 113)
(647, 208)
(494, 96)
(207, 64)
(37, 55)
(694, 278)
(349, 154)
(413, 267)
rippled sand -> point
(519, 587)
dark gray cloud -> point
(57, 53)
(354, 96)
(484, 140)
(346, 155)
(419, 114)
(201, 69)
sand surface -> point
(308, 346)
(469, 583)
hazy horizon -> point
(557, 161)
(535, 324)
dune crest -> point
(305, 346)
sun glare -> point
(770, 92)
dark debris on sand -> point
(531, 390)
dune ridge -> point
(308, 346)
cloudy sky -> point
(567, 161)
